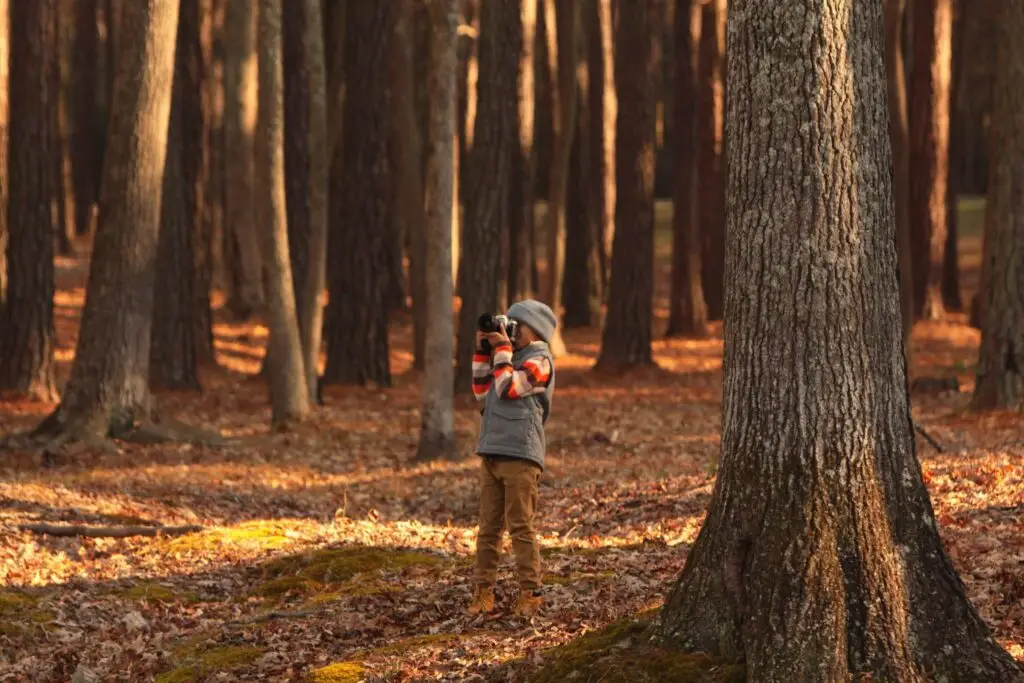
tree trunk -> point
(1001, 362)
(179, 316)
(688, 314)
(601, 127)
(487, 182)
(216, 152)
(357, 343)
(567, 16)
(63, 204)
(578, 286)
(437, 427)
(929, 149)
(27, 334)
(896, 90)
(524, 161)
(4, 123)
(198, 132)
(108, 390)
(245, 290)
(86, 130)
(627, 330)
(710, 159)
(420, 33)
(289, 388)
(609, 118)
(820, 527)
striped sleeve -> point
(482, 377)
(528, 379)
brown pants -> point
(508, 495)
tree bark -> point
(84, 161)
(820, 528)
(929, 150)
(199, 170)
(567, 16)
(4, 124)
(524, 161)
(626, 340)
(1001, 361)
(63, 200)
(688, 314)
(581, 279)
(607, 126)
(108, 390)
(245, 291)
(289, 387)
(437, 427)
(27, 333)
(710, 159)
(896, 90)
(357, 340)
(487, 181)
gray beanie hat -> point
(537, 315)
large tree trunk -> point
(108, 390)
(524, 158)
(27, 334)
(357, 315)
(688, 314)
(710, 159)
(85, 142)
(4, 123)
(564, 104)
(241, 235)
(929, 149)
(896, 90)
(486, 197)
(173, 352)
(627, 329)
(437, 426)
(820, 558)
(604, 88)
(1001, 364)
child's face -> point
(524, 336)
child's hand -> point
(480, 336)
(498, 338)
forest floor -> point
(326, 554)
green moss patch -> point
(620, 653)
(258, 535)
(216, 660)
(20, 613)
(341, 672)
(156, 592)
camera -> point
(489, 322)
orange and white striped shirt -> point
(510, 382)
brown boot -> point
(483, 601)
(529, 603)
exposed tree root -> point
(270, 616)
(928, 437)
(108, 531)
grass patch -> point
(155, 592)
(620, 653)
(216, 660)
(341, 672)
(258, 535)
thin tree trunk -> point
(27, 333)
(245, 293)
(626, 341)
(522, 197)
(199, 169)
(289, 388)
(609, 117)
(4, 124)
(108, 390)
(578, 286)
(567, 15)
(929, 150)
(820, 526)
(63, 204)
(1001, 361)
(487, 191)
(896, 89)
(84, 160)
(437, 430)
(216, 152)
(710, 159)
(687, 311)
(357, 315)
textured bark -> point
(27, 334)
(63, 199)
(203, 103)
(929, 149)
(174, 351)
(710, 160)
(215, 202)
(896, 90)
(524, 160)
(688, 314)
(627, 330)
(289, 389)
(975, 60)
(437, 426)
(87, 129)
(820, 529)
(245, 286)
(564, 105)
(357, 317)
(1001, 363)
(602, 106)
(487, 181)
(108, 390)
(469, 68)
(420, 33)
(4, 123)
(581, 281)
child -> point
(516, 384)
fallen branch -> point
(276, 614)
(108, 531)
(928, 437)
